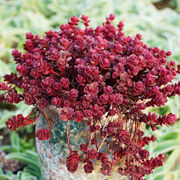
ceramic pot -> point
(54, 151)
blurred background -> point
(157, 20)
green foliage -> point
(18, 144)
(18, 151)
(15, 141)
(168, 142)
(30, 158)
(21, 175)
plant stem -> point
(67, 131)
(37, 116)
(87, 137)
(102, 143)
(30, 121)
(32, 111)
(56, 73)
(49, 121)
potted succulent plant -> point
(90, 88)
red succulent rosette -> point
(72, 161)
(43, 134)
(88, 167)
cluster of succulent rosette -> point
(100, 76)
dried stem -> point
(48, 119)
(68, 142)
(87, 137)
(92, 135)
(102, 143)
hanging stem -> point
(102, 143)
(96, 144)
(67, 131)
(49, 120)
(30, 121)
(87, 137)
(114, 161)
(32, 111)
(56, 73)
(37, 116)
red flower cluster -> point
(88, 73)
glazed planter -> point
(53, 152)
